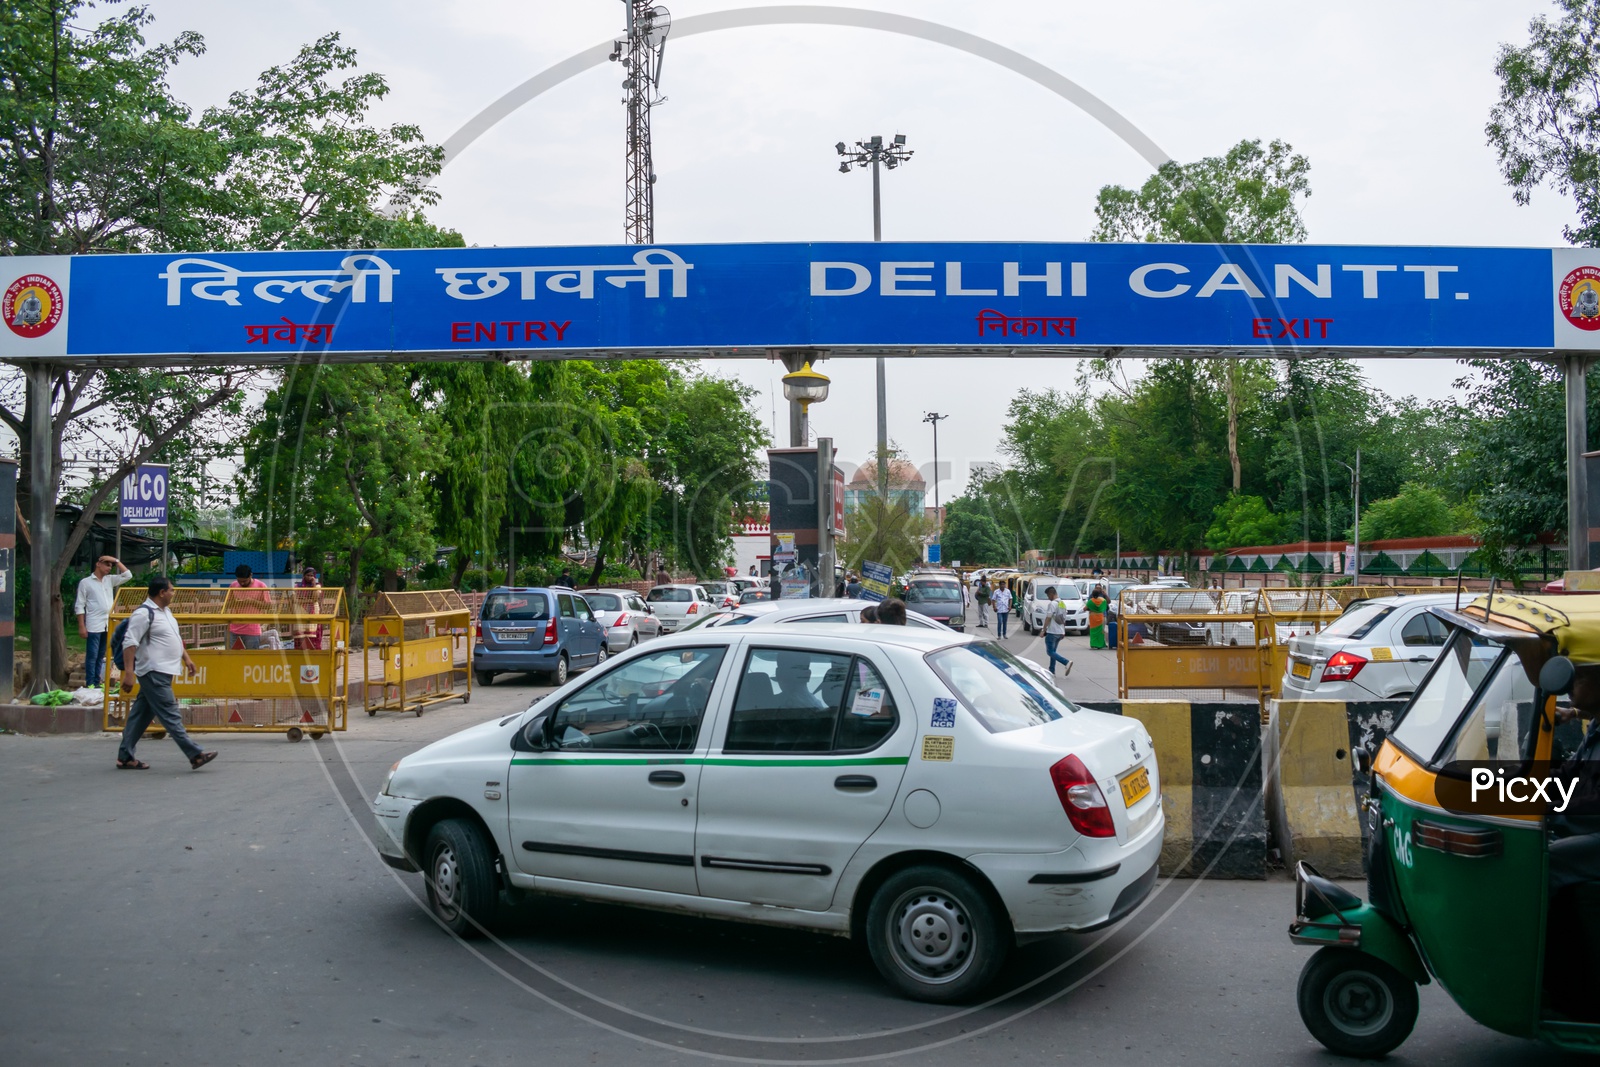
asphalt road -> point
(239, 915)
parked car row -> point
(554, 631)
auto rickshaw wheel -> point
(1356, 1004)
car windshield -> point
(516, 607)
(997, 688)
(1359, 620)
(1462, 667)
(934, 592)
(604, 601)
(661, 594)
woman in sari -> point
(1097, 617)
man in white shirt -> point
(153, 651)
(1055, 628)
(96, 593)
(1000, 600)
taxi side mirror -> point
(1556, 675)
(535, 736)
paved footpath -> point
(238, 915)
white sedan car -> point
(1378, 649)
(1036, 607)
(914, 789)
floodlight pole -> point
(935, 418)
(641, 52)
(873, 152)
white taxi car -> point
(913, 788)
(1378, 649)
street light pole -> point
(938, 516)
(1355, 528)
(872, 152)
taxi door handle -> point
(855, 781)
(666, 778)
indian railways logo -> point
(33, 305)
(1579, 297)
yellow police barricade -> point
(296, 682)
(1193, 643)
(414, 637)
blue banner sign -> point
(741, 300)
(144, 496)
(876, 579)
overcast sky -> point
(1387, 99)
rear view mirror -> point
(1556, 675)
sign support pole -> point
(119, 520)
(41, 539)
(1577, 445)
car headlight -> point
(957, 621)
(387, 778)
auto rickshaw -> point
(1452, 895)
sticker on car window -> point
(1383, 655)
(513, 605)
(938, 747)
(867, 702)
(944, 713)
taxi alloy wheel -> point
(934, 935)
(462, 892)
(1356, 1004)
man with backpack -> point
(152, 651)
(1055, 628)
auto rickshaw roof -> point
(1573, 621)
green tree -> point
(885, 532)
(972, 536)
(1243, 522)
(101, 157)
(1417, 511)
(338, 463)
(1546, 126)
(1247, 196)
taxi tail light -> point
(1081, 798)
(550, 637)
(693, 609)
(1343, 666)
(622, 620)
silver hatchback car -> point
(624, 614)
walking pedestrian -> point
(662, 577)
(565, 580)
(1098, 603)
(153, 651)
(97, 592)
(853, 588)
(981, 595)
(1055, 628)
(1000, 599)
(246, 634)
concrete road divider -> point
(1313, 790)
(1209, 754)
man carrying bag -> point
(153, 651)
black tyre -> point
(459, 866)
(558, 677)
(483, 678)
(935, 935)
(600, 657)
(634, 643)
(1356, 1004)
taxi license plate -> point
(1135, 786)
(1300, 670)
(511, 635)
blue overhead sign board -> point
(741, 300)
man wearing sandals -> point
(153, 650)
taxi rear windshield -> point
(1358, 621)
(516, 607)
(674, 596)
(996, 688)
